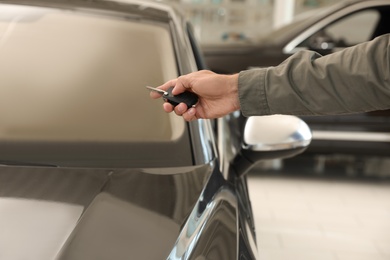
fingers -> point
(182, 83)
(190, 115)
(168, 84)
(168, 107)
(179, 87)
(181, 110)
(165, 86)
(154, 94)
(187, 114)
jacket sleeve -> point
(354, 80)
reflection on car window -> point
(67, 77)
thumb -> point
(181, 86)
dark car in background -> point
(91, 168)
(327, 30)
(334, 28)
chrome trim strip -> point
(351, 136)
(194, 227)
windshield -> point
(73, 90)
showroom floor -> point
(320, 217)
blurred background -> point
(215, 20)
(329, 203)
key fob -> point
(189, 98)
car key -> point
(187, 97)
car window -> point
(77, 78)
(339, 33)
(342, 34)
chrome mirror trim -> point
(275, 133)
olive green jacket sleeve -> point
(354, 80)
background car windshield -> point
(72, 79)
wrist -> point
(233, 91)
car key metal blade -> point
(189, 98)
(157, 90)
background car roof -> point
(306, 20)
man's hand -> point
(218, 94)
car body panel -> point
(95, 213)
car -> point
(331, 29)
(91, 167)
(328, 30)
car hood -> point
(55, 213)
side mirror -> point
(271, 137)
